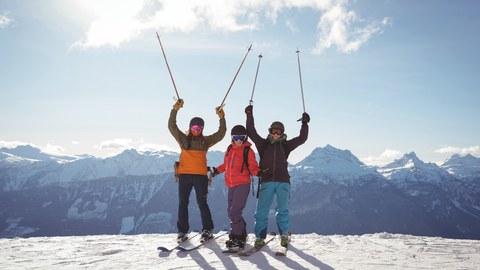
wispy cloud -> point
(386, 157)
(459, 150)
(115, 146)
(122, 21)
(343, 29)
(5, 20)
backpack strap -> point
(246, 150)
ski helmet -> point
(239, 130)
(276, 125)
(197, 121)
(196, 126)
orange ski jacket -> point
(193, 155)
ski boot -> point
(206, 235)
(235, 244)
(182, 237)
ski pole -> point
(221, 105)
(168, 67)
(255, 81)
(300, 75)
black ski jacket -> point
(273, 156)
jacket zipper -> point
(274, 161)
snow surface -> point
(307, 251)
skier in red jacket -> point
(237, 179)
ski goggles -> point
(238, 137)
(275, 131)
(196, 128)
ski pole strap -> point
(175, 170)
(258, 187)
(253, 188)
(209, 175)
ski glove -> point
(264, 174)
(178, 104)
(305, 118)
(249, 109)
(220, 112)
(215, 172)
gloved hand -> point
(249, 109)
(305, 118)
(264, 174)
(220, 112)
(215, 172)
(178, 104)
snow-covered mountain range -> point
(333, 192)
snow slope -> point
(307, 251)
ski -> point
(282, 250)
(252, 250)
(165, 249)
(231, 251)
(191, 246)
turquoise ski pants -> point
(265, 199)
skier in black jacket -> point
(275, 179)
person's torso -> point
(274, 162)
(236, 171)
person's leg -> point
(184, 190)
(265, 199)
(282, 214)
(201, 191)
(237, 203)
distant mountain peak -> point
(331, 160)
(463, 165)
(31, 153)
(408, 160)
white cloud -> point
(155, 147)
(53, 149)
(344, 29)
(12, 144)
(116, 146)
(386, 157)
(122, 21)
(5, 20)
(458, 150)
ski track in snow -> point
(307, 251)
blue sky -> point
(380, 78)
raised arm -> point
(251, 131)
(222, 129)
(302, 138)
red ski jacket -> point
(236, 172)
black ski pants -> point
(186, 183)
